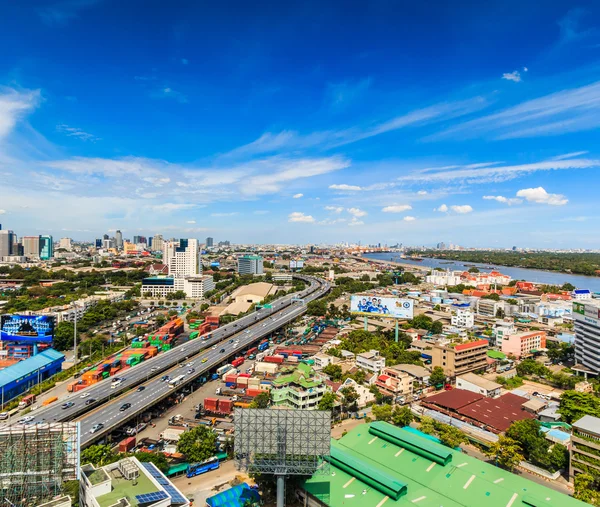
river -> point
(531, 275)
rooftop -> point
(382, 468)
(479, 381)
(123, 488)
(34, 363)
(412, 369)
(498, 413)
(589, 424)
(454, 399)
(472, 345)
(262, 289)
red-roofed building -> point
(395, 383)
(461, 358)
(157, 269)
(523, 344)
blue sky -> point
(469, 122)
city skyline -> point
(284, 125)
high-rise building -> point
(586, 317)
(47, 247)
(250, 265)
(157, 243)
(65, 243)
(98, 242)
(106, 236)
(31, 246)
(119, 239)
(7, 240)
(139, 240)
(182, 257)
(209, 242)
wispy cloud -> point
(408, 218)
(461, 209)
(505, 200)
(570, 110)
(355, 222)
(230, 214)
(344, 187)
(442, 209)
(171, 206)
(76, 132)
(298, 216)
(512, 76)
(14, 105)
(261, 212)
(335, 209)
(297, 196)
(540, 196)
(61, 12)
(356, 212)
(191, 222)
(166, 92)
(397, 208)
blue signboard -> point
(26, 328)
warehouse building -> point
(379, 464)
(20, 377)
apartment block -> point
(523, 344)
(585, 447)
(463, 319)
(395, 383)
(586, 317)
(299, 390)
(250, 265)
(462, 358)
(489, 307)
(370, 361)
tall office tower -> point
(157, 243)
(47, 247)
(209, 242)
(250, 265)
(31, 246)
(98, 242)
(119, 239)
(106, 236)
(586, 317)
(149, 241)
(182, 257)
(139, 239)
(65, 243)
(7, 239)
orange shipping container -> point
(50, 400)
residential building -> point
(462, 358)
(586, 317)
(585, 447)
(440, 277)
(282, 277)
(370, 361)
(463, 319)
(7, 239)
(129, 248)
(395, 383)
(477, 384)
(365, 396)
(523, 344)
(250, 265)
(209, 242)
(65, 244)
(119, 239)
(322, 360)
(418, 373)
(157, 243)
(489, 307)
(299, 390)
(581, 294)
(501, 329)
(31, 246)
(46, 248)
(127, 482)
(182, 257)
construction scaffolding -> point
(35, 461)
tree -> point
(317, 308)
(427, 425)
(382, 412)
(98, 455)
(437, 376)
(71, 488)
(574, 405)
(334, 371)
(528, 435)
(451, 436)
(197, 444)
(474, 269)
(493, 296)
(327, 402)
(63, 336)
(158, 458)
(568, 287)
(160, 319)
(349, 398)
(437, 327)
(402, 416)
(584, 489)
(261, 401)
(506, 452)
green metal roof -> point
(463, 482)
(496, 354)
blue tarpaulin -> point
(234, 497)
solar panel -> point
(176, 497)
(151, 497)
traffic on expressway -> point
(216, 347)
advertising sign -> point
(381, 306)
(296, 264)
(292, 264)
(26, 328)
(215, 264)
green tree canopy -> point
(98, 455)
(574, 405)
(261, 401)
(437, 376)
(506, 452)
(382, 412)
(402, 416)
(327, 402)
(334, 371)
(197, 444)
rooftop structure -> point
(379, 464)
(461, 358)
(299, 389)
(477, 384)
(250, 265)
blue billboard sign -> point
(26, 328)
(215, 264)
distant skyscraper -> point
(47, 248)
(182, 257)
(31, 246)
(157, 243)
(139, 239)
(7, 239)
(65, 243)
(149, 241)
(98, 242)
(106, 236)
(119, 239)
(209, 242)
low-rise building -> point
(585, 447)
(503, 328)
(365, 396)
(489, 307)
(194, 286)
(463, 319)
(457, 359)
(418, 373)
(477, 384)
(523, 344)
(127, 482)
(282, 277)
(394, 383)
(371, 361)
(581, 294)
(323, 360)
(299, 389)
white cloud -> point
(231, 214)
(505, 200)
(525, 69)
(191, 222)
(167, 92)
(171, 206)
(335, 209)
(14, 105)
(297, 196)
(409, 219)
(297, 216)
(539, 195)
(512, 76)
(355, 222)
(397, 208)
(422, 192)
(340, 94)
(443, 209)
(2, 211)
(356, 212)
(77, 132)
(329, 221)
(461, 209)
(343, 186)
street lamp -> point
(75, 334)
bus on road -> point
(176, 381)
(205, 466)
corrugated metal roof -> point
(25, 367)
(454, 399)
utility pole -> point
(75, 336)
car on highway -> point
(3, 416)
(90, 401)
(124, 407)
(190, 371)
(96, 427)
(26, 419)
(165, 378)
(154, 368)
(189, 364)
(84, 395)
(69, 404)
(221, 351)
(214, 347)
(231, 341)
(181, 365)
(204, 360)
(140, 389)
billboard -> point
(23, 328)
(381, 306)
(215, 264)
(296, 264)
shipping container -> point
(27, 401)
(252, 351)
(50, 400)
(253, 392)
(237, 362)
(242, 381)
(225, 406)
(127, 444)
